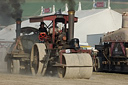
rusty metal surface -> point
(120, 35)
(50, 17)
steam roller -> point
(73, 65)
(77, 65)
(58, 52)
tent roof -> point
(85, 13)
(96, 21)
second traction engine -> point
(113, 53)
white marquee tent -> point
(96, 21)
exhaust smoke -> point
(71, 4)
(16, 9)
(10, 10)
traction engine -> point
(113, 53)
(58, 52)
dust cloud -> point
(4, 48)
(10, 10)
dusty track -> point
(96, 79)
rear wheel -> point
(98, 64)
(36, 60)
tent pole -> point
(79, 7)
(94, 4)
(109, 4)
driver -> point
(42, 28)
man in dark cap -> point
(42, 28)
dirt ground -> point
(96, 79)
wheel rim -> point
(37, 55)
(36, 60)
(96, 64)
(62, 70)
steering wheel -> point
(42, 36)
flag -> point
(100, 4)
(46, 10)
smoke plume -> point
(10, 10)
(71, 4)
(16, 8)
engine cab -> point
(58, 32)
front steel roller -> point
(13, 66)
(37, 55)
(78, 65)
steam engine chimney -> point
(125, 20)
(71, 24)
(18, 27)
